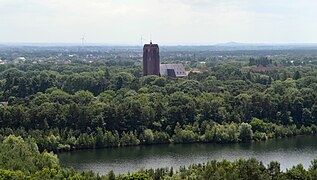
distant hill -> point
(229, 46)
(262, 46)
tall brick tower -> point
(151, 59)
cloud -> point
(169, 21)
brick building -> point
(152, 66)
(151, 59)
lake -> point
(288, 152)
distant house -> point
(65, 62)
(173, 70)
(4, 103)
(197, 70)
(19, 60)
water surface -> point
(288, 152)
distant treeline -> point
(208, 132)
(263, 61)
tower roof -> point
(151, 45)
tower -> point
(151, 59)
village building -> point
(152, 66)
(172, 70)
(151, 59)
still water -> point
(288, 152)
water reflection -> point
(288, 152)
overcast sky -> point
(166, 21)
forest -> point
(108, 104)
(104, 103)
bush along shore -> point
(207, 132)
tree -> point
(246, 133)
(297, 172)
(274, 169)
(83, 97)
(148, 136)
(296, 75)
(258, 125)
(17, 154)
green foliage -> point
(148, 136)
(260, 136)
(134, 176)
(296, 75)
(24, 161)
(246, 133)
(112, 97)
(263, 61)
(297, 172)
(16, 154)
(208, 131)
(258, 125)
(184, 135)
(106, 103)
(111, 175)
(240, 169)
(20, 159)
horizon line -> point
(231, 43)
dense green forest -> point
(67, 102)
(21, 159)
(108, 104)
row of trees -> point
(263, 61)
(126, 109)
(206, 132)
(249, 169)
(23, 80)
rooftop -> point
(172, 70)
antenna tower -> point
(142, 41)
(83, 40)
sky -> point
(169, 22)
